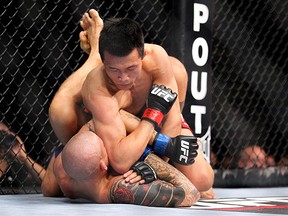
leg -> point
(91, 31)
(200, 173)
(65, 114)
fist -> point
(145, 171)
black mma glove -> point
(145, 171)
(159, 102)
(180, 149)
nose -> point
(122, 76)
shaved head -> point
(82, 154)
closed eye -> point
(113, 69)
(132, 68)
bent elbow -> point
(120, 168)
(190, 198)
(193, 198)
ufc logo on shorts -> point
(184, 150)
(162, 93)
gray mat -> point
(36, 204)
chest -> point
(139, 95)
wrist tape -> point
(160, 144)
(153, 115)
(146, 152)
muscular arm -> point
(131, 122)
(172, 189)
(123, 150)
(159, 64)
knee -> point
(204, 181)
(60, 107)
(55, 106)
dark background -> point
(39, 49)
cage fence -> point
(39, 49)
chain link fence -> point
(249, 92)
(39, 49)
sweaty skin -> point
(118, 77)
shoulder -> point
(156, 60)
(152, 54)
(154, 49)
(155, 54)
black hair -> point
(120, 36)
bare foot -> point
(92, 25)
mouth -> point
(124, 85)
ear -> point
(103, 166)
(144, 53)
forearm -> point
(131, 122)
(168, 173)
(131, 147)
(139, 135)
(123, 150)
(157, 193)
(171, 125)
(34, 168)
(170, 190)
